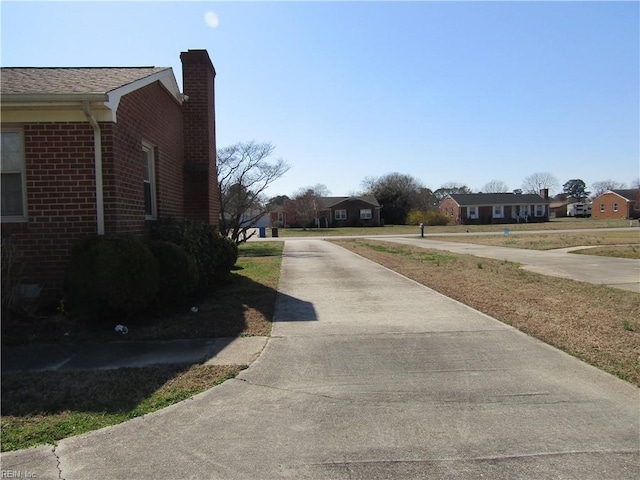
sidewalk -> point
(113, 355)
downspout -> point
(97, 151)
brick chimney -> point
(201, 193)
(544, 193)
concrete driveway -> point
(369, 375)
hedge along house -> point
(102, 151)
(496, 208)
(617, 204)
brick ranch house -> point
(617, 204)
(363, 211)
(496, 208)
(102, 151)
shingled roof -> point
(328, 202)
(629, 194)
(479, 199)
(68, 81)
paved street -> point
(369, 375)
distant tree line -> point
(245, 171)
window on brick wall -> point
(615, 206)
(149, 182)
(340, 214)
(366, 214)
(13, 176)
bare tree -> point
(449, 188)
(600, 187)
(244, 173)
(495, 186)
(536, 182)
(305, 204)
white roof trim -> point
(165, 77)
(616, 194)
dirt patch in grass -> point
(597, 324)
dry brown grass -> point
(597, 324)
(618, 251)
(548, 241)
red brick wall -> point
(353, 208)
(60, 182)
(151, 115)
(606, 202)
(202, 197)
(450, 208)
(60, 176)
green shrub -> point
(111, 275)
(436, 218)
(12, 266)
(429, 217)
(226, 255)
(196, 238)
(215, 255)
(178, 271)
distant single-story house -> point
(349, 212)
(496, 208)
(617, 204)
(102, 151)
(359, 211)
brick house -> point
(496, 208)
(349, 212)
(617, 204)
(361, 211)
(102, 151)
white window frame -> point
(340, 214)
(539, 211)
(615, 206)
(366, 214)
(500, 213)
(602, 208)
(472, 213)
(149, 156)
(22, 217)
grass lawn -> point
(625, 242)
(554, 224)
(44, 407)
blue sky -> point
(464, 92)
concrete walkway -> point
(622, 273)
(369, 375)
(113, 355)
